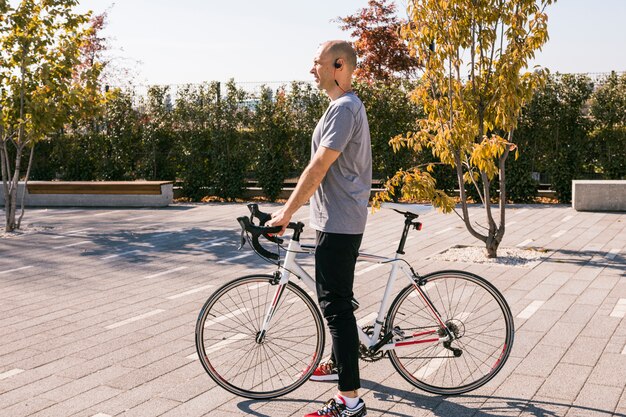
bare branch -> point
(493, 48)
(471, 173)
(502, 161)
(473, 48)
(486, 185)
(480, 225)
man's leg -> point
(335, 258)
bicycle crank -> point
(366, 354)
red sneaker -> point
(325, 371)
(335, 407)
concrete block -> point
(598, 195)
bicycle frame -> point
(290, 266)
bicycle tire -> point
(226, 332)
(480, 317)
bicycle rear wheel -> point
(475, 313)
(226, 338)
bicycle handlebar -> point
(247, 225)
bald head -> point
(343, 50)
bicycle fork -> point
(281, 278)
(260, 337)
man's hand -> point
(280, 218)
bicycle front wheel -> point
(476, 315)
(229, 349)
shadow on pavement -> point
(590, 258)
(217, 245)
(439, 406)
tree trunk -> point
(4, 161)
(491, 245)
(11, 207)
(30, 164)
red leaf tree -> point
(383, 53)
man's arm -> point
(310, 179)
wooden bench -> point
(96, 193)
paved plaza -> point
(98, 310)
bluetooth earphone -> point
(338, 65)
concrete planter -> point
(599, 195)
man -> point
(338, 181)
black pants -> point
(335, 258)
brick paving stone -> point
(574, 286)
(604, 281)
(139, 376)
(222, 413)
(585, 351)
(595, 400)
(25, 392)
(589, 273)
(541, 321)
(593, 296)
(540, 406)
(559, 302)
(621, 405)
(128, 399)
(152, 407)
(558, 278)
(543, 292)
(187, 390)
(519, 385)
(458, 406)
(600, 326)
(151, 356)
(616, 344)
(81, 385)
(531, 279)
(79, 402)
(487, 391)
(565, 382)
(525, 341)
(541, 361)
(562, 334)
(33, 375)
(610, 370)
(26, 408)
(196, 406)
(578, 313)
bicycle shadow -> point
(441, 406)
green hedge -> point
(211, 138)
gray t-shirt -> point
(339, 205)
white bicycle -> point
(262, 336)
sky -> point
(192, 41)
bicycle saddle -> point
(416, 209)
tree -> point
(41, 85)
(608, 108)
(389, 113)
(270, 124)
(383, 53)
(473, 87)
